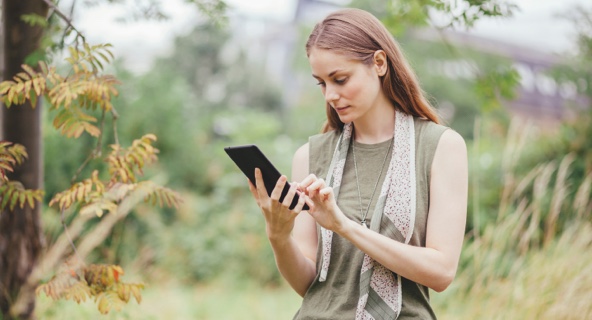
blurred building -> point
(539, 96)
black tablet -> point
(249, 157)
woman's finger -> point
(253, 190)
(308, 181)
(308, 201)
(314, 188)
(259, 184)
(279, 187)
(289, 196)
(326, 194)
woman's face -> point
(350, 87)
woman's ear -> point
(380, 62)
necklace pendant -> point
(364, 224)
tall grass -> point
(535, 261)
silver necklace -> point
(362, 212)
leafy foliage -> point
(75, 97)
(124, 162)
(13, 192)
(80, 192)
(98, 281)
(34, 20)
(95, 196)
(467, 12)
(72, 96)
(10, 155)
(399, 15)
(495, 85)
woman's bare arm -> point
(295, 255)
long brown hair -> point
(358, 35)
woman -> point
(386, 185)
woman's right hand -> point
(279, 218)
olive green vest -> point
(337, 297)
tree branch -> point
(49, 261)
(101, 231)
(68, 233)
(65, 18)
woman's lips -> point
(341, 109)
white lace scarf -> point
(393, 216)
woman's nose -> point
(331, 95)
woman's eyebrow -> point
(329, 75)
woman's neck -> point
(375, 126)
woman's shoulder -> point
(431, 136)
(428, 127)
(320, 150)
(324, 138)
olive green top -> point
(337, 297)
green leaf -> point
(35, 20)
(35, 57)
(5, 198)
(14, 199)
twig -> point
(99, 147)
(59, 249)
(65, 18)
(86, 161)
(95, 153)
(68, 235)
(115, 116)
(68, 28)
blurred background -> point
(516, 84)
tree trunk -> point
(21, 239)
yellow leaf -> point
(28, 87)
(117, 271)
(92, 130)
(29, 70)
(136, 293)
(31, 202)
(103, 304)
(124, 291)
(95, 176)
(150, 136)
(88, 186)
(11, 94)
(22, 198)
(23, 76)
(19, 87)
(36, 86)
(54, 200)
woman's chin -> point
(346, 118)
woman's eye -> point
(341, 80)
(322, 84)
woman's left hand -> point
(325, 210)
